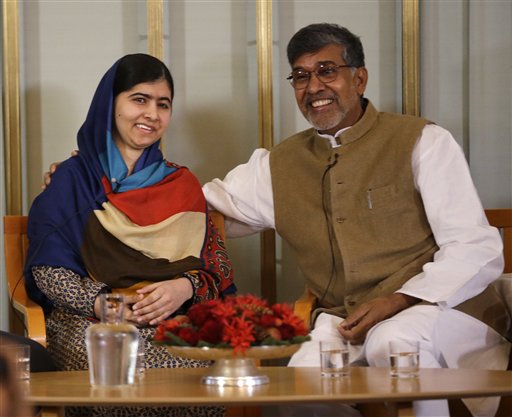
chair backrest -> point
(218, 220)
(502, 219)
(16, 245)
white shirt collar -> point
(332, 139)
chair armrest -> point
(33, 318)
(304, 306)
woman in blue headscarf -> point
(119, 217)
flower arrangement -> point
(238, 322)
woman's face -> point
(141, 117)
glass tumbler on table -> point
(404, 357)
(19, 355)
(334, 358)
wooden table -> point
(173, 387)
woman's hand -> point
(129, 300)
(161, 300)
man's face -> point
(331, 106)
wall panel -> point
(467, 87)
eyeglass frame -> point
(330, 65)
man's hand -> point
(47, 176)
(356, 326)
(161, 300)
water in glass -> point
(404, 364)
(334, 358)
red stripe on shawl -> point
(178, 192)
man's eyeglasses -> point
(299, 78)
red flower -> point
(239, 322)
(239, 334)
(268, 320)
(178, 321)
(287, 331)
(160, 334)
(288, 316)
(199, 313)
(189, 335)
(211, 332)
(222, 310)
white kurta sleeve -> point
(244, 196)
(470, 251)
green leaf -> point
(300, 339)
(175, 340)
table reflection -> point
(405, 385)
(122, 391)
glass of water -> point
(334, 358)
(20, 356)
(404, 357)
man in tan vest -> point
(384, 218)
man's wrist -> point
(403, 301)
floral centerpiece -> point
(237, 323)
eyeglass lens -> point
(299, 79)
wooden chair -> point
(27, 317)
(502, 219)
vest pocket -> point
(384, 200)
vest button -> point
(340, 219)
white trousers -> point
(448, 339)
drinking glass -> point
(404, 357)
(20, 356)
(334, 358)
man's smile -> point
(321, 102)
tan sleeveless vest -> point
(352, 214)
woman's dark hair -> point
(314, 37)
(140, 68)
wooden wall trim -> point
(268, 279)
(11, 108)
(411, 57)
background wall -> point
(210, 48)
(467, 86)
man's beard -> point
(328, 123)
(335, 119)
